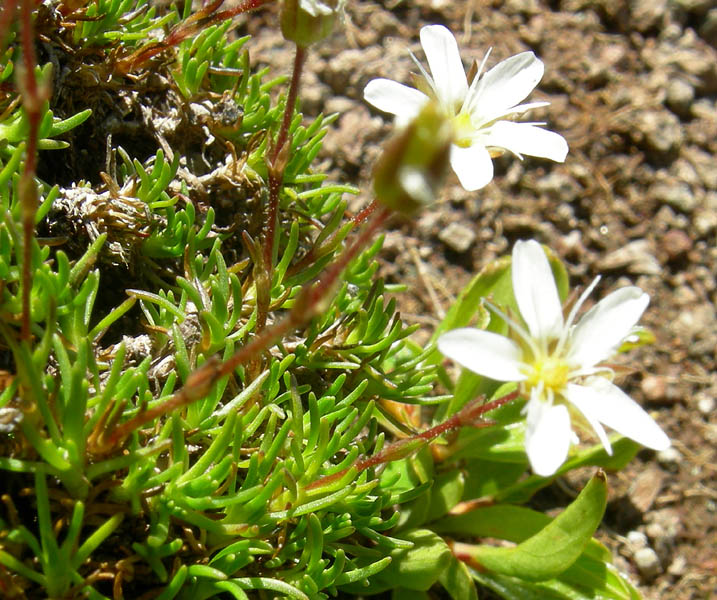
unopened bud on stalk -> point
(414, 162)
(307, 21)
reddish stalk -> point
(311, 255)
(307, 305)
(7, 12)
(32, 102)
(365, 212)
(466, 417)
(279, 157)
(204, 17)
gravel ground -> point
(633, 88)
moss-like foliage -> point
(144, 451)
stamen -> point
(425, 74)
(573, 313)
(477, 86)
(525, 336)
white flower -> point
(556, 362)
(478, 111)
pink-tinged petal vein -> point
(484, 353)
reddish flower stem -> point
(278, 159)
(204, 17)
(466, 417)
(365, 213)
(7, 12)
(32, 102)
(310, 256)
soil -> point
(633, 88)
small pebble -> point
(647, 562)
(654, 387)
(635, 256)
(677, 195)
(637, 540)
(669, 457)
(559, 186)
(676, 243)
(661, 131)
(680, 96)
(706, 404)
(678, 567)
(457, 237)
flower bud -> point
(307, 21)
(414, 162)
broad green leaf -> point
(623, 451)
(447, 491)
(598, 578)
(406, 594)
(419, 567)
(554, 548)
(502, 521)
(456, 580)
(509, 522)
(486, 478)
(500, 444)
(493, 281)
(585, 580)
(513, 588)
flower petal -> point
(605, 325)
(599, 399)
(521, 108)
(535, 291)
(585, 411)
(484, 353)
(547, 437)
(525, 138)
(505, 85)
(473, 166)
(444, 59)
(394, 98)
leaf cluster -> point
(329, 464)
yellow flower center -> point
(553, 372)
(464, 130)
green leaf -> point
(456, 580)
(555, 547)
(598, 578)
(623, 451)
(486, 478)
(419, 567)
(406, 594)
(447, 491)
(493, 280)
(587, 579)
(502, 521)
